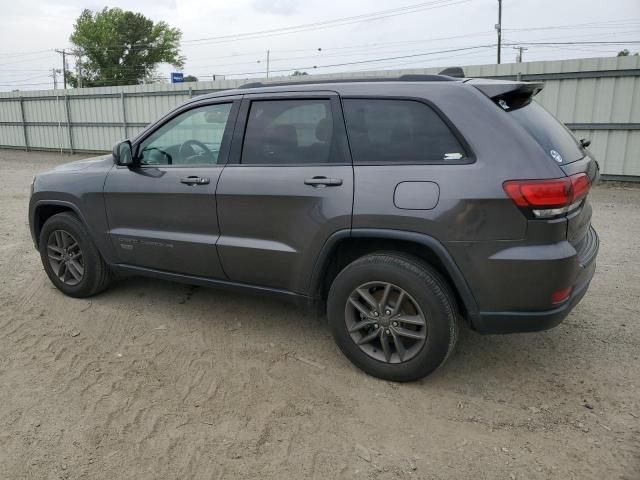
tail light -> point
(549, 198)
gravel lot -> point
(160, 380)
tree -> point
(626, 53)
(190, 78)
(118, 47)
(298, 73)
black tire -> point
(96, 275)
(424, 286)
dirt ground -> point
(160, 380)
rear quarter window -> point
(556, 139)
(399, 131)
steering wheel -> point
(197, 143)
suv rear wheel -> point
(70, 258)
(393, 316)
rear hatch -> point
(559, 146)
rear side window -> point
(398, 131)
(288, 132)
(551, 135)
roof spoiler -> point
(455, 72)
(509, 95)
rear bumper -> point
(513, 322)
(537, 320)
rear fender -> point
(453, 272)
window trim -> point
(339, 128)
(227, 136)
(469, 157)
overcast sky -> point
(31, 29)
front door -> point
(287, 187)
(162, 210)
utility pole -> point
(78, 54)
(64, 66)
(54, 75)
(499, 28)
(260, 61)
(520, 50)
(268, 63)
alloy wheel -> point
(385, 322)
(65, 257)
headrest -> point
(323, 130)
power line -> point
(473, 54)
(336, 22)
(26, 60)
(23, 84)
(430, 53)
(603, 24)
(367, 61)
(589, 35)
(624, 42)
(422, 54)
(23, 54)
(355, 51)
(354, 47)
(17, 82)
(202, 69)
(614, 23)
(330, 23)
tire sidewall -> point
(431, 298)
(72, 225)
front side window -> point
(192, 138)
(398, 131)
(288, 132)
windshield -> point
(556, 139)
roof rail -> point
(401, 78)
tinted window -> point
(192, 138)
(288, 131)
(553, 136)
(398, 131)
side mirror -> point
(122, 153)
(584, 142)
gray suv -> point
(400, 206)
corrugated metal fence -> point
(598, 98)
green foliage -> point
(190, 78)
(122, 48)
(626, 53)
(298, 73)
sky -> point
(231, 38)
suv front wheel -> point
(393, 316)
(70, 258)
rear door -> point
(162, 210)
(287, 188)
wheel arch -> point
(43, 210)
(346, 245)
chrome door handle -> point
(323, 182)
(193, 180)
